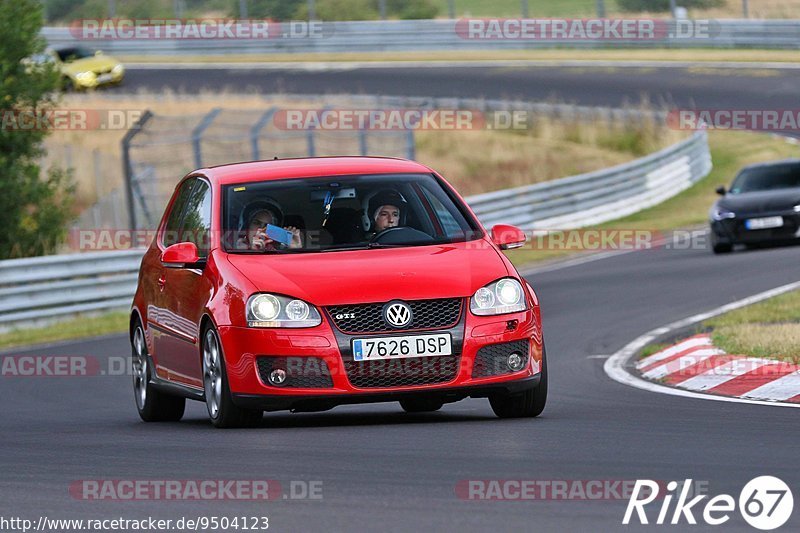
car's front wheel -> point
(153, 405)
(221, 409)
(524, 404)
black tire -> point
(721, 248)
(420, 405)
(526, 404)
(153, 405)
(222, 412)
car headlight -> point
(720, 213)
(85, 76)
(498, 298)
(118, 69)
(272, 311)
(797, 209)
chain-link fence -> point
(162, 149)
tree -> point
(34, 209)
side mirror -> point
(508, 237)
(98, 53)
(181, 255)
(721, 190)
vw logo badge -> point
(397, 314)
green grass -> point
(730, 150)
(766, 329)
(652, 349)
(88, 326)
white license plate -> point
(764, 223)
(104, 78)
(402, 347)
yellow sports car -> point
(83, 69)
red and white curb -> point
(696, 369)
(696, 364)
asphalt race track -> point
(704, 87)
(383, 470)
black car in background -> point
(761, 207)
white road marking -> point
(676, 365)
(615, 366)
(722, 374)
(678, 348)
(438, 63)
(779, 389)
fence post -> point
(312, 149)
(255, 131)
(197, 135)
(411, 149)
(745, 10)
(451, 9)
(601, 9)
(127, 168)
(525, 10)
(362, 141)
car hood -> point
(96, 63)
(761, 201)
(376, 275)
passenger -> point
(253, 227)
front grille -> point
(402, 372)
(368, 318)
(301, 372)
(491, 360)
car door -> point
(187, 290)
(159, 321)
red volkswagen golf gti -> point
(304, 284)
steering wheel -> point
(401, 235)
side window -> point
(196, 225)
(172, 227)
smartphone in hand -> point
(279, 234)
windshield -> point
(768, 178)
(71, 54)
(342, 213)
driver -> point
(253, 227)
(386, 210)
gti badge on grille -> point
(397, 314)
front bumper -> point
(91, 82)
(321, 402)
(733, 231)
(243, 347)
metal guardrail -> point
(597, 197)
(40, 290)
(441, 34)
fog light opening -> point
(277, 377)
(515, 362)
